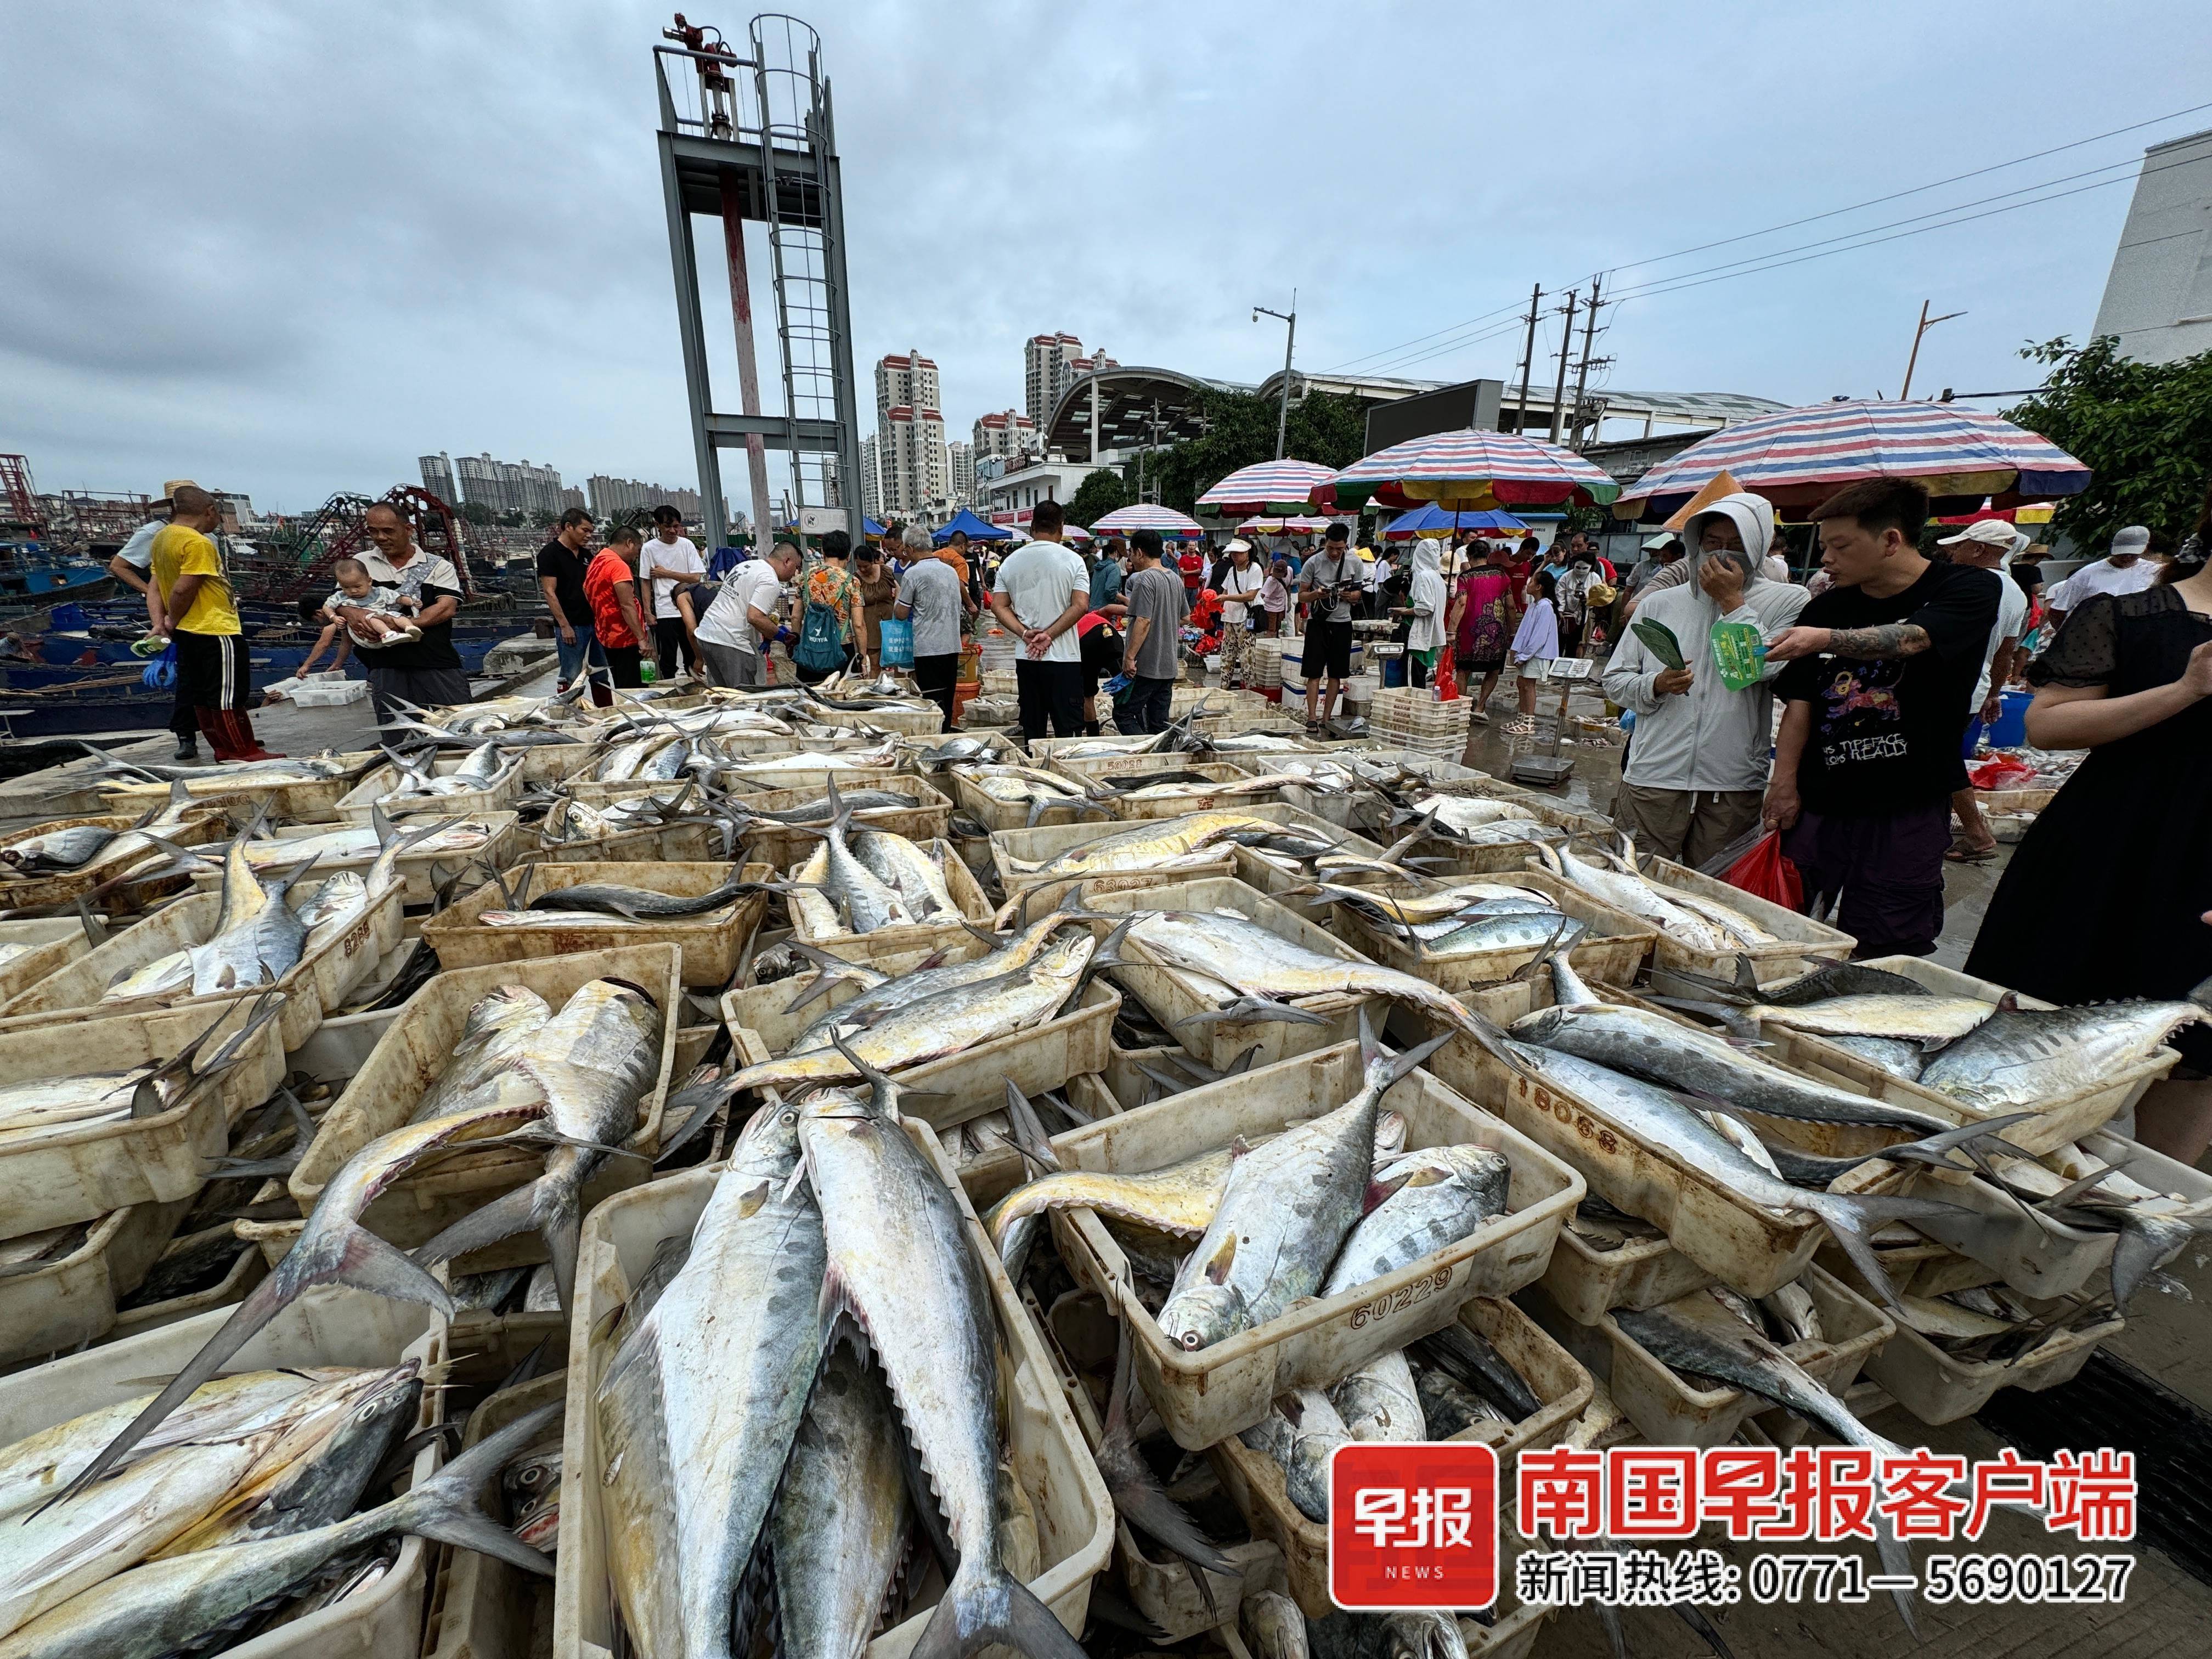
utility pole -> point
(1904, 394)
(1283, 418)
(1528, 356)
(1581, 373)
(1567, 350)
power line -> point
(1471, 322)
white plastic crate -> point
(330, 694)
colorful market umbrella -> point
(1429, 519)
(1270, 490)
(1800, 457)
(1298, 524)
(1468, 471)
(1144, 516)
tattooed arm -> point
(1901, 639)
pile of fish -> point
(98, 851)
(266, 1496)
(40, 1109)
(858, 881)
(484, 768)
(1988, 1055)
(746, 1427)
(1690, 918)
(1461, 918)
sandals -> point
(1523, 727)
(1963, 851)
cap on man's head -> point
(1664, 539)
(2133, 539)
(1989, 532)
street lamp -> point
(1926, 323)
(1290, 342)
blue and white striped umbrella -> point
(1800, 457)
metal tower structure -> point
(752, 139)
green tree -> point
(1098, 495)
(1326, 428)
(475, 513)
(2144, 430)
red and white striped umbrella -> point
(1469, 471)
(1271, 488)
(1800, 457)
(1297, 524)
(1145, 516)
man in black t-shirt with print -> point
(1868, 754)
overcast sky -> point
(286, 249)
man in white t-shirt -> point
(668, 563)
(2123, 570)
(1040, 593)
(1987, 546)
(745, 618)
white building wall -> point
(2158, 297)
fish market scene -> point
(784, 1034)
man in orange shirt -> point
(610, 584)
(954, 553)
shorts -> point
(1328, 649)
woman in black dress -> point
(2107, 895)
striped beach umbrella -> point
(1800, 457)
(1469, 471)
(1145, 516)
(1270, 489)
(1297, 524)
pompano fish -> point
(165, 1606)
(841, 1516)
(1648, 1044)
(1379, 1401)
(335, 1248)
(496, 1031)
(165, 975)
(865, 899)
(1284, 1213)
(907, 870)
(703, 1398)
(1443, 1194)
(1299, 1433)
(221, 776)
(1657, 1118)
(41, 1106)
(1461, 813)
(263, 944)
(945, 1023)
(901, 1261)
(55, 851)
(1448, 1407)
(1698, 1335)
(352, 844)
(335, 905)
(594, 1063)
(2021, 1056)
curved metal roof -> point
(1129, 400)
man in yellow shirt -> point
(201, 617)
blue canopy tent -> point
(869, 526)
(978, 530)
(1429, 519)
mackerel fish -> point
(2023, 1056)
(701, 1402)
(901, 1263)
(1442, 1195)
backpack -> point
(821, 639)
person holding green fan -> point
(1690, 668)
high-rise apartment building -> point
(438, 478)
(911, 467)
(613, 496)
(1045, 372)
(1008, 433)
(872, 482)
(501, 486)
(961, 457)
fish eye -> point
(790, 1118)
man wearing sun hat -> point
(2122, 570)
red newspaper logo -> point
(1412, 1525)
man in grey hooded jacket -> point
(1697, 764)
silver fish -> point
(901, 1261)
(1379, 1401)
(1299, 1433)
(1443, 1194)
(2023, 1056)
(497, 1030)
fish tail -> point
(1853, 1219)
(991, 1605)
(444, 1507)
(502, 1219)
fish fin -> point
(369, 1264)
(1001, 1609)
(503, 1217)
(444, 1507)
(1035, 1145)
(1217, 1269)
(560, 1224)
(1852, 1220)
(533, 1363)
(1108, 954)
(692, 1109)
(1242, 1063)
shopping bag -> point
(897, 643)
(1766, 873)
